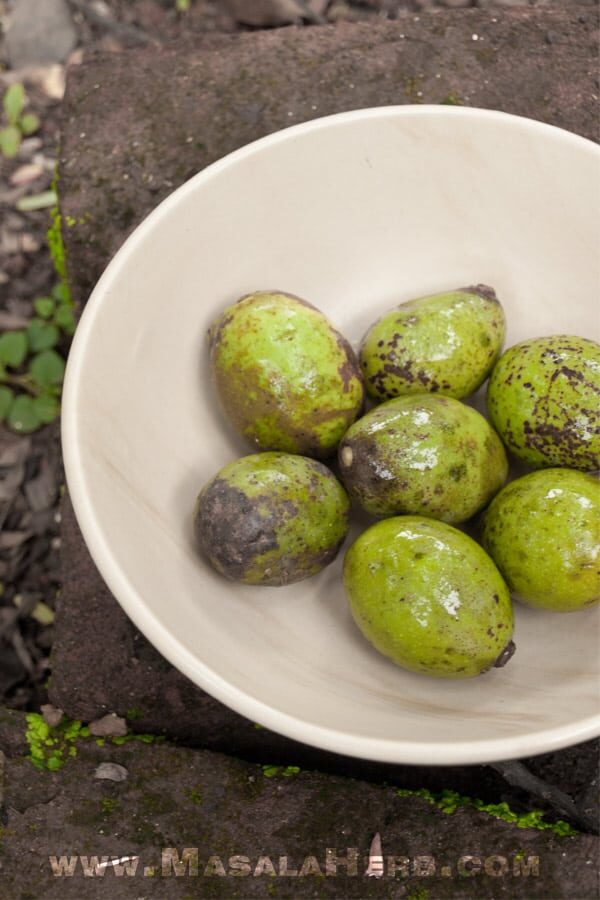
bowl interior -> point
(355, 213)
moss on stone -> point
(50, 747)
(449, 801)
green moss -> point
(286, 771)
(108, 805)
(412, 90)
(133, 714)
(144, 738)
(420, 894)
(195, 796)
(56, 244)
(485, 55)
(50, 747)
(452, 100)
(449, 801)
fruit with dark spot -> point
(429, 597)
(286, 378)
(426, 455)
(543, 531)
(446, 343)
(271, 518)
(543, 398)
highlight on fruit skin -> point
(286, 379)
(423, 455)
(271, 519)
(429, 597)
(543, 397)
(444, 343)
(543, 532)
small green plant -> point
(182, 5)
(449, 801)
(287, 771)
(50, 747)
(31, 368)
(18, 124)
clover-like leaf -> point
(46, 407)
(42, 335)
(14, 101)
(22, 415)
(29, 123)
(64, 318)
(47, 368)
(44, 306)
(61, 292)
(10, 141)
(6, 398)
(13, 348)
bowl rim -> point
(404, 751)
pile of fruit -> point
(423, 592)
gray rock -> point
(109, 771)
(109, 726)
(40, 31)
(266, 13)
(52, 715)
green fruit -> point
(543, 401)
(427, 596)
(446, 343)
(427, 455)
(286, 378)
(271, 518)
(543, 531)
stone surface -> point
(185, 108)
(222, 807)
(40, 31)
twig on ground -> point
(119, 29)
(518, 775)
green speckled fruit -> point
(286, 378)
(543, 398)
(427, 455)
(427, 596)
(271, 518)
(543, 531)
(446, 343)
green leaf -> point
(44, 306)
(29, 123)
(37, 201)
(65, 319)
(13, 348)
(61, 292)
(10, 141)
(42, 335)
(46, 407)
(14, 101)
(47, 368)
(6, 399)
(22, 416)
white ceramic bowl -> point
(354, 212)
